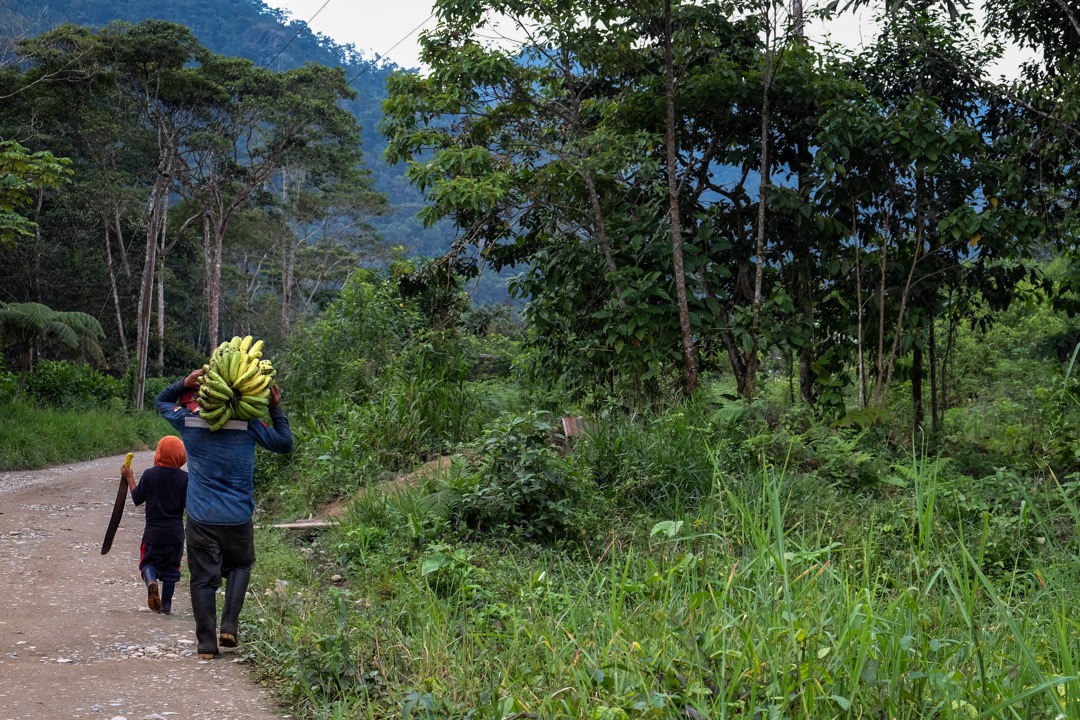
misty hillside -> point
(253, 30)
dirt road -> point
(76, 637)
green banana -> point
(208, 401)
(212, 416)
(245, 411)
(213, 376)
(248, 368)
(210, 396)
(254, 386)
(224, 367)
(217, 383)
(220, 387)
(220, 421)
(234, 365)
(256, 401)
(236, 382)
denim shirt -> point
(221, 464)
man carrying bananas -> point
(220, 504)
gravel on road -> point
(76, 637)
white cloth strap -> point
(194, 421)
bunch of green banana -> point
(236, 383)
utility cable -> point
(371, 63)
(298, 31)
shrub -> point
(153, 387)
(9, 383)
(423, 407)
(180, 358)
(63, 384)
(353, 342)
(657, 460)
(519, 482)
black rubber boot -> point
(167, 589)
(204, 608)
(153, 589)
(236, 585)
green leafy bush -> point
(355, 340)
(520, 482)
(9, 383)
(844, 458)
(63, 384)
(653, 460)
(180, 358)
(153, 387)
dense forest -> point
(250, 29)
(786, 426)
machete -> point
(118, 508)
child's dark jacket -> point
(164, 490)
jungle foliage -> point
(893, 188)
(745, 261)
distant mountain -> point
(251, 29)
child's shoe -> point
(153, 596)
(166, 596)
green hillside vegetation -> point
(825, 458)
(250, 29)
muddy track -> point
(76, 637)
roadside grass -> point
(774, 596)
(35, 437)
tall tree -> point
(557, 155)
(255, 123)
(30, 325)
(24, 175)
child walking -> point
(164, 490)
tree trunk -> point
(288, 260)
(917, 385)
(158, 197)
(935, 407)
(791, 378)
(954, 326)
(115, 293)
(119, 228)
(288, 279)
(763, 190)
(879, 365)
(690, 378)
(859, 323)
(161, 291)
(738, 364)
(213, 284)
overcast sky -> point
(376, 27)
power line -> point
(298, 31)
(376, 59)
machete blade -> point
(118, 509)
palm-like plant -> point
(29, 326)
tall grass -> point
(755, 603)
(36, 437)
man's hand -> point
(275, 396)
(191, 382)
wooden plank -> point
(304, 524)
